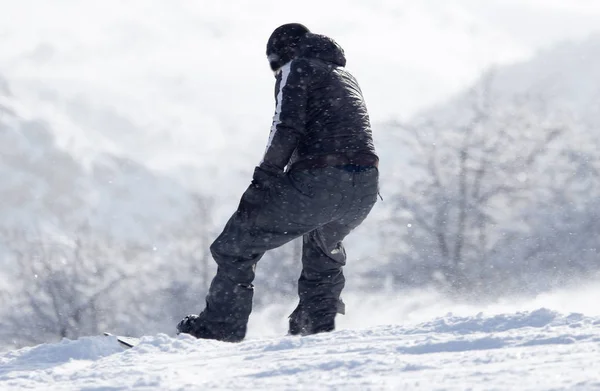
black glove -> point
(263, 179)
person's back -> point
(320, 110)
(318, 179)
(337, 120)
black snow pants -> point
(322, 205)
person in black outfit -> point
(318, 180)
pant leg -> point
(323, 257)
(321, 280)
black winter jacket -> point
(319, 108)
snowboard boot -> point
(189, 325)
(197, 326)
(303, 322)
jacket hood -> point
(323, 48)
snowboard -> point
(126, 342)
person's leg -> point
(321, 281)
(323, 257)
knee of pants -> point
(219, 252)
(230, 258)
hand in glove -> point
(263, 179)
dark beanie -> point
(282, 44)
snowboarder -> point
(318, 179)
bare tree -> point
(60, 286)
(278, 272)
(194, 242)
(180, 275)
(474, 172)
(563, 242)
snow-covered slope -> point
(536, 350)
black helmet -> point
(282, 44)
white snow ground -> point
(528, 350)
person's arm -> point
(290, 116)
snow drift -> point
(534, 350)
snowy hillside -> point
(537, 350)
(45, 187)
(560, 79)
(564, 75)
